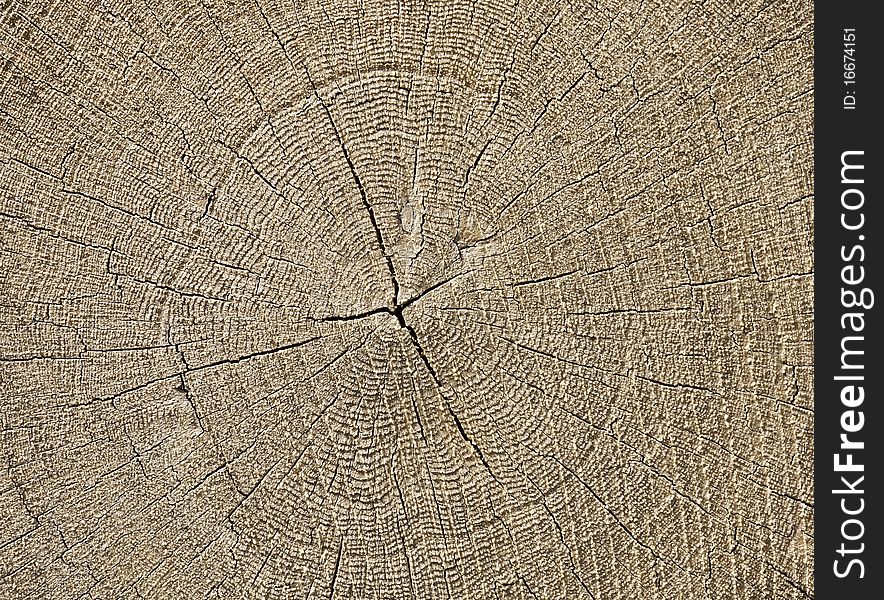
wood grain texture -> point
(406, 300)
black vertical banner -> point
(847, 336)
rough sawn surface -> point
(396, 300)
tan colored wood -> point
(390, 300)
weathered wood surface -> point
(402, 300)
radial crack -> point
(362, 193)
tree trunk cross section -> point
(406, 300)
